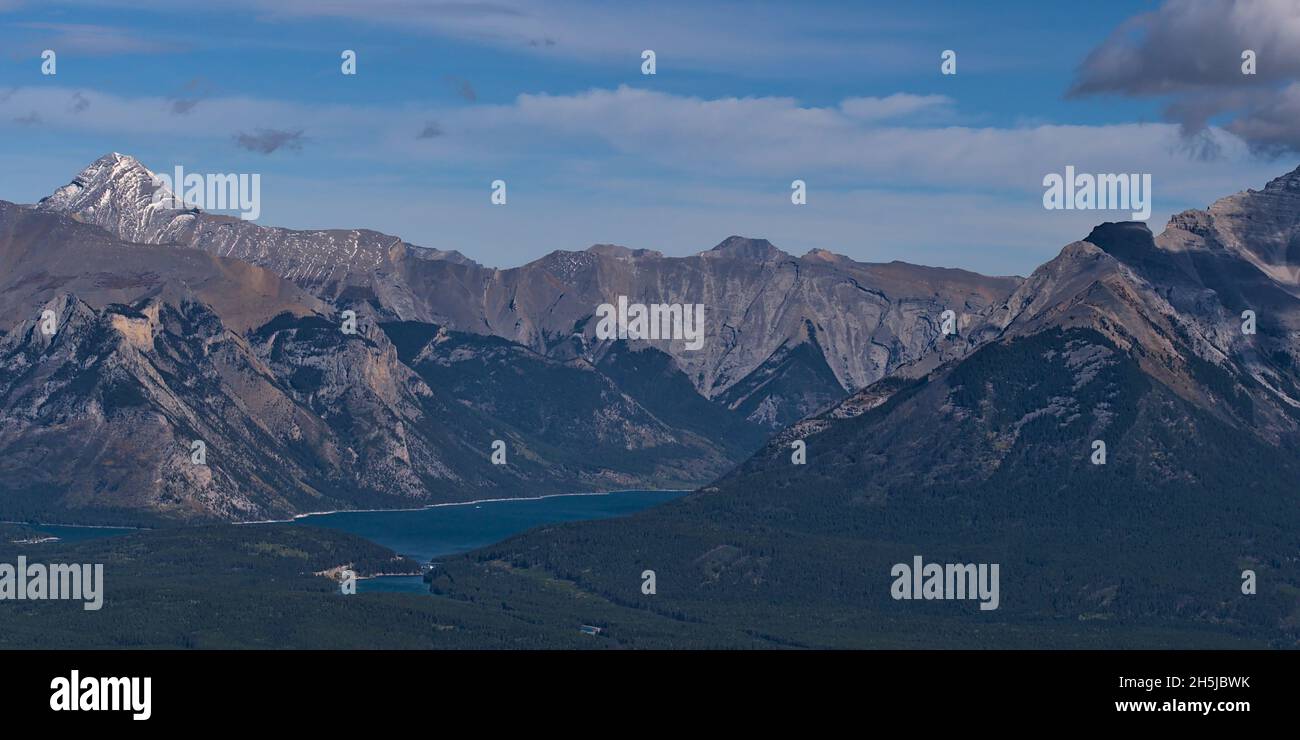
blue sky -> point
(901, 162)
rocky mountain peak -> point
(1194, 222)
(745, 248)
(1069, 290)
(110, 174)
(623, 253)
(70, 313)
(1073, 259)
(115, 192)
(1289, 181)
(824, 255)
(1261, 227)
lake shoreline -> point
(81, 526)
(427, 532)
(306, 514)
(426, 507)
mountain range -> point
(189, 326)
(1118, 431)
(859, 320)
(1177, 353)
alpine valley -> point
(1179, 352)
(177, 325)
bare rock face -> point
(757, 300)
(102, 415)
(379, 409)
(1261, 227)
(630, 419)
(1240, 255)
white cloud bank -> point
(651, 156)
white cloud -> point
(756, 137)
(778, 137)
(1190, 52)
(660, 170)
(898, 105)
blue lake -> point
(77, 534)
(437, 531)
(424, 534)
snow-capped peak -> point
(118, 193)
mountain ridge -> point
(545, 303)
(987, 451)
